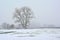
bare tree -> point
(5, 26)
(23, 16)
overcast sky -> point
(45, 11)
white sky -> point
(45, 11)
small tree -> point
(12, 26)
(23, 16)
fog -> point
(45, 11)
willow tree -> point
(23, 16)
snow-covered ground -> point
(30, 34)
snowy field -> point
(30, 34)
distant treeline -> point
(13, 26)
